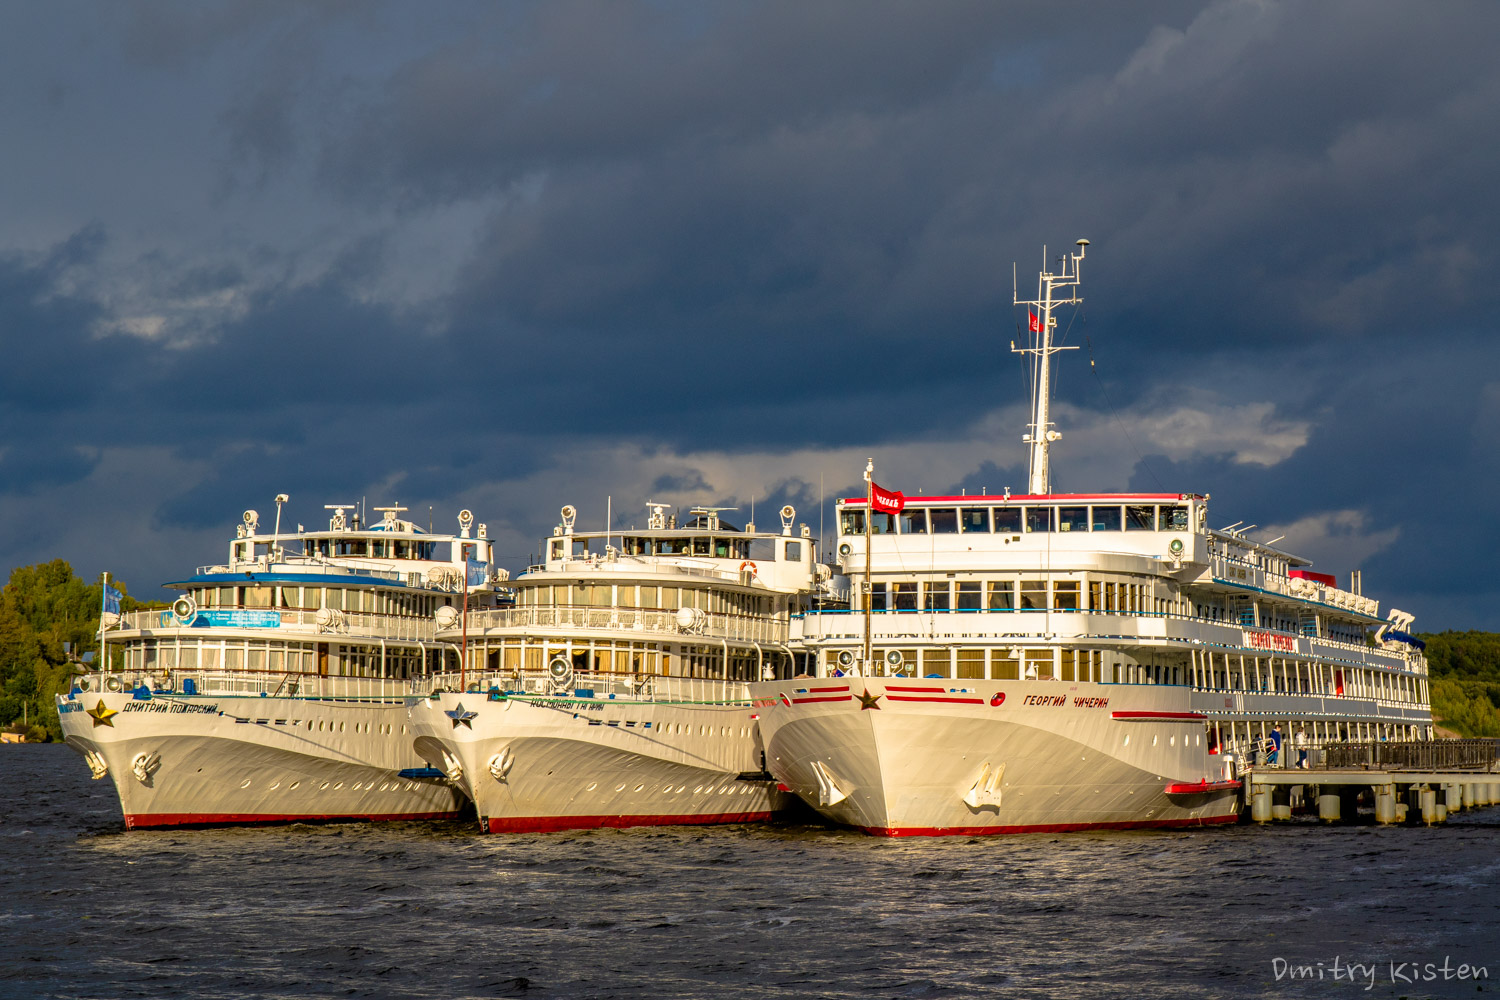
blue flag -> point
(111, 600)
(479, 572)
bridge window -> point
(883, 524)
(936, 596)
(1038, 518)
(1072, 519)
(878, 598)
(793, 551)
(914, 521)
(1033, 595)
(1002, 595)
(1172, 518)
(1065, 595)
(852, 522)
(969, 595)
(1008, 520)
(1139, 518)
(944, 520)
(1106, 518)
(974, 519)
(905, 596)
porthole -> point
(245, 783)
(323, 787)
(275, 785)
(1127, 740)
(337, 785)
(619, 788)
(1172, 741)
(592, 785)
(1153, 739)
(698, 790)
(293, 786)
(640, 788)
(341, 727)
(681, 789)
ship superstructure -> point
(274, 687)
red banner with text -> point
(885, 501)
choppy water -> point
(417, 910)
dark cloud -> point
(269, 247)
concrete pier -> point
(1399, 796)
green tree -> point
(49, 618)
(1465, 681)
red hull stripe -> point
(136, 821)
(546, 824)
(1159, 716)
(827, 690)
(950, 701)
(916, 690)
(979, 831)
(838, 697)
(1198, 788)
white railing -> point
(594, 685)
(735, 628)
(247, 683)
(355, 624)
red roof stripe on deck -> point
(1015, 498)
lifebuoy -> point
(754, 570)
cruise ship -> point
(1052, 662)
(274, 689)
(616, 692)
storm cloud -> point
(510, 256)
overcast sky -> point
(511, 256)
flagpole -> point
(103, 602)
(463, 661)
(869, 517)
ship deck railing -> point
(252, 683)
(712, 626)
(592, 685)
(1314, 643)
(346, 624)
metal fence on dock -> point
(1433, 755)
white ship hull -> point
(938, 757)
(580, 763)
(179, 761)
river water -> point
(791, 910)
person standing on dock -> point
(1301, 743)
(1275, 758)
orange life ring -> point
(754, 570)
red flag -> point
(886, 501)
(1036, 323)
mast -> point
(1041, 433)
(869, 517)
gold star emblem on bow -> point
(868, 700)
(103, 715)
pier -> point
(1408, 782)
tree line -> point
(49, 623)
(1465, 681)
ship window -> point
(914, 521)
(1038, 518)
(935, 596)
(878, 599)
(1106, 518)
(1139, 518)
(1072, 519)
(675, 546)
(1172, 518)
(1039, 665)
(882, 524)
(905, 596)
(1033, 595)
(257, 597)
(974, 519)
(721, 549)
(969, 595)
(971, 663)
(1065, 595)
(944, 520)
(700, 546)
(937, 663)
(1008, 520)
(1004, 666)
(1002, 595)
(793, 552)
(852, 522)
(557, 549)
